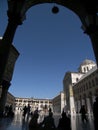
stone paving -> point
(19, 123)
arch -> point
(86, 10)
(80, 8)
(74, 5)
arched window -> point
(84, 69)
(87, 68)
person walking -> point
(83, 113)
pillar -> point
(88, 106)
(72, 102)
(5, 87)
(79, 106)
(14, 19)
(83, 102)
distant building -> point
(58, 103)
(81, 87)
(41, 104)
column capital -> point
(16, 11)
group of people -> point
(48, 123)
(26, 110)
(8, 112)
(64, 123)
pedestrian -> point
(33, 124)
(24, 111)
(83, 113)
(48, 122)
(28, 110)
(95, 113)
(10, 111)
(64, 122)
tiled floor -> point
(19, 123)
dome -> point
(86, 62)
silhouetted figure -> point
(24, 111)
(33, 124)
(6, 111)
(83, 113)
(10, 111)
(95, 113)
(48, 122)
(28, 110)
(36, 111)
(64, 122)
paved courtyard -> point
(19, 123)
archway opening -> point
(51, 44)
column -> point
(88, 105)
(5, 46)
(5, 87)
(71, 98)
(83, 102)
(79, 106)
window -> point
(84, 69)
(77, 79)
(87, 69)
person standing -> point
(48, 122)
(33, 124)
(83, 113)
(24, 111)
(64, 122)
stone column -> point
(88, 105)
(72, 103)
(5, 87)
(5, 46)
(83, 102)
(79, 106)
(15, 17)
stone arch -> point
(74, 5)
(80, 8)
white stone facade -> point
(58, 103)
(41, 104)
(75, 87)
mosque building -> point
(81, 88)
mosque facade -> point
(81, 88)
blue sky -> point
(49, 46)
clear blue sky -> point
(49, 45)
